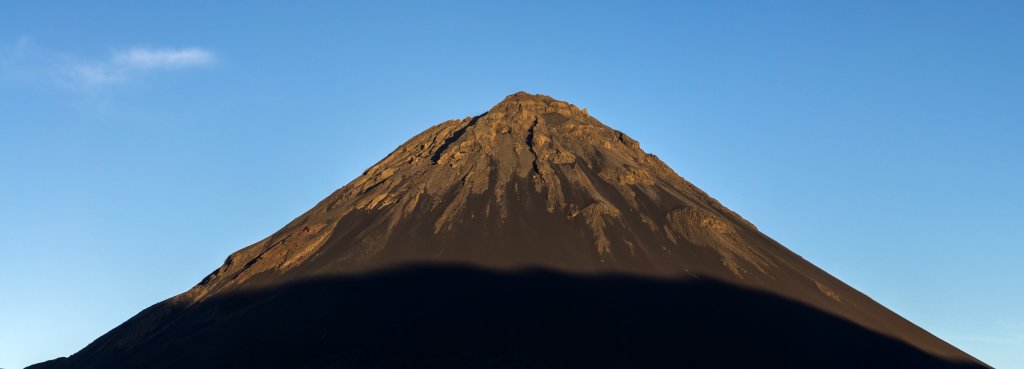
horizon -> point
(142, 144)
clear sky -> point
(141, 144)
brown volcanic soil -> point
(532, 183)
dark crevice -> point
(455, 137)
(251, 262)
(371, 187)
(529, 144)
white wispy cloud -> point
(29, 62)
(163, 58)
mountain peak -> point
(528, 157)
(537, 103)
(521, 96)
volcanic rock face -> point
(532, 183)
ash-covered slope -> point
(532, 183)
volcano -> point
(530, 236)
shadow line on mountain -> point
(463, 317)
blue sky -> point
(140, 144)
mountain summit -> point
(531, 235)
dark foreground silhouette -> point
(455, 317)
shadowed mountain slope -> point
(532, 183)
(456, 317)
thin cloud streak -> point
(163, 58)
(29, 62)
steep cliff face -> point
(532, 183)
